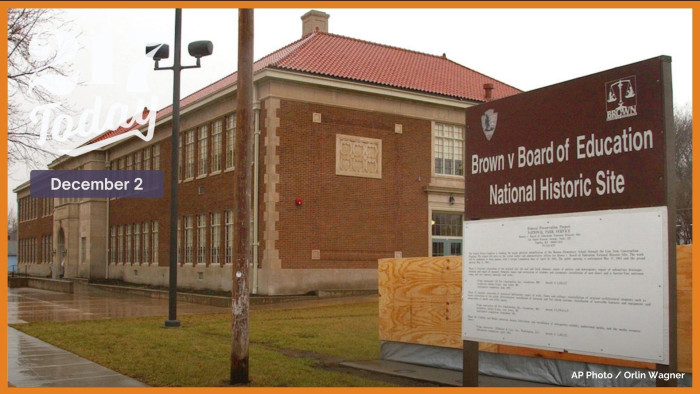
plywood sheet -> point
(420, 303)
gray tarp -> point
(541, 370)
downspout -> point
(256, 162)
(108, 166)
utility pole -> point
(242, 250)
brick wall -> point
(33, 229)
(352, 221)
(217, 196)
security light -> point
(200, 48)
(158, 51)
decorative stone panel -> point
(358, 156)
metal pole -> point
(174, 142)
(242, 196)
(470, 364)
(671, 185)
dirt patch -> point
(330, 363)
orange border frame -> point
(695, 6)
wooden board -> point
(420, 303)
(684, 267)
(420, 300)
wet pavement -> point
(34, 363)
(27, 304)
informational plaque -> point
(569, 239)
(588, 283)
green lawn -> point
(288, 347)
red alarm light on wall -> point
(298, 201)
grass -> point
(287, 347)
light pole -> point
(197, 49)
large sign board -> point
(589, 284)
(566, 243)
(592, 143)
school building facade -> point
(358, 155)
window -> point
(154, 227)
(46, 209)
(216, 145)
(128, 250)
(120, 246)
(189, 239)
(180, 159)
(129, 162)
(189, 155)
(137, 243)
(147, 158)
(179, 241)
(229, 237)
(45, 249)
(202, 238)
(230, 140)
(146, 230)
(215, 222)
(83, 250)
(447, 234)
(137, 160)
(203, 160)
(449, 149)
(113, 245)
(156, 157)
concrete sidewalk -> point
(34, 363)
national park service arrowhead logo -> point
(488, 123)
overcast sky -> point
(527, 49)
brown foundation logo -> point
(621, 100)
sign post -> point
(569, 241)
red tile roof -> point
(120, 130)
(351, 59)
(335, 56)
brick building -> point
(358, 156)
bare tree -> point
(30, 62)
(683, 119)
(11, 222)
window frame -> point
(455, 153)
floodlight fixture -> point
(158, 51)
(199, 49)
